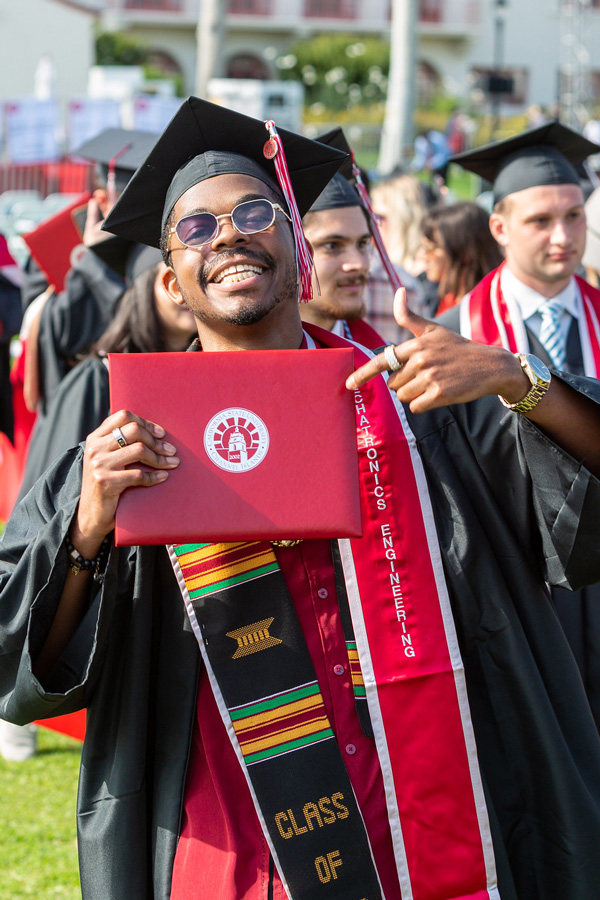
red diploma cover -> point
(266, 439)
(53, 242)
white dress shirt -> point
(529, 302)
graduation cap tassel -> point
(273, 149)
(364, 196)
(112, 174)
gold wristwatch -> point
(539, 376)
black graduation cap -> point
(340, 191)
(201, 141)
(126, 258)
(129, 148)
(545, 155)
(336, 138)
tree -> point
(338, 71)
(115, 48)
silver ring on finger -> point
(119, 437)
(394, 364)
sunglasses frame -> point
(229, 215)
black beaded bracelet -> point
(78, 563)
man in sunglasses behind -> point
(402, 716)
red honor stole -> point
(408, 652)
(364, 334)
(489, 317)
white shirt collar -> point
(338, 328)
(529, 301)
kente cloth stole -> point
(406, 661)
(488, 316)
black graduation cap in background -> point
(126, 258)
(546, 155)
(213, 140)
(336, 138)
(340, 191)
(128, 148)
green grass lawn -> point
(38, 853)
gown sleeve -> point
(525, 491)
(33, 568)
(80, 404)
(566, 501)
(72, 320)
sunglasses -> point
(247, 218)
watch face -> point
(538, 368)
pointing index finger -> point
(369, 370)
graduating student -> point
(337, 228)
(355, 756)
(350, 270)
(145, 321)
(536, 302)
(73, 319)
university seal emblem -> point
(236, 440)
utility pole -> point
(397, 130)
(209, 43)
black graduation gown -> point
(81, 402)
(578, 611)
(511, 511)
(10, 322)
(74, 319)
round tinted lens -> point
(253, 216)
(197, 229)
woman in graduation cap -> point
(306, 727)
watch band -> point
(538, 388)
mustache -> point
(360, 279)
(207, 271)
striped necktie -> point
(551, 336)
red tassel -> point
(366, 202)
(273, 149)
(111, 176)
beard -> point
(350, 309)
(252, 313)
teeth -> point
(241, 272)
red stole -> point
(410, 662)
(489, 317)
(364, 334)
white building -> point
(458, 40)
(48, 45)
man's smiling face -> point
(236, 280)
(341, 243)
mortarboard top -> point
(336, 138)
(545, 155)
(126, 258)
(204, 140)
(339, 192)
(112, 142)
